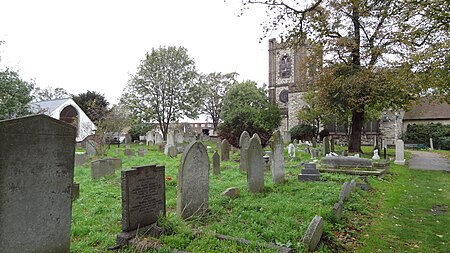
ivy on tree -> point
(165, 88)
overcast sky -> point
(97, 45)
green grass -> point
(402, 220)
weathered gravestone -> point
(313, 234)
(277, 157)
(193, 181)
(158, 138)
(90, 147)
(128, 152)
(171, 151)
(170, 139)
(314, 142)
(255, 173)
(231, 192)
(142, 151)
(326, 145)
(332, 142)
(345, 191)
(338, 208)
(244, 142)
(309, 173)
(291, 151)
(80, 158)
(314, 153)
(36, 177)
(337, 162)
(399, 152)
(143, 199)
(150, 138)
(75, 191)
(101, 168)
(287, 136)
(216, 163)
(225, 150)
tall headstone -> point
(216, 163)
(431, 144)
(255, 173)
(291, 151)
(143, 199)
(326, 145)
(399, 152)
(314, 142)
(332, 142)
(193, 181)
(277, 157)
(158, 138)
(225, 150)
(150, 138)
(287, 136)
(36, 177)
(170, 139)
(244, 142)
(90, 147)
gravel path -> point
(428, 161)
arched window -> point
(69, 115)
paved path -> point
(428, 161)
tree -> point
(93, 104)
(215, 85)
(365, 42)
(15, 94)
(49, 93)
(247, 108)
(165, 88)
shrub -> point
(421, 134)
(303, 132)
(444, 143)
(324, 133)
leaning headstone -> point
(344, 194)
(277, 158)
(231, 192)
(332, 142)
(352, 185)
(314, 142)
(90, 147)
(101, 168)
(244, 142)
(128, 152)
(326, 145)
(216, 163)
(225, 150)
(143, 199)
(255, 173)
(338, 208)
(309, 173)
(193, 181)
(36, 177)
(80, 158)
(313, 234)
(399, 152)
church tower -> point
(292, 69)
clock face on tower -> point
(285, 66)
(284, 96)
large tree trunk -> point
(354, 142)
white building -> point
(66, 110)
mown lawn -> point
(411, 213)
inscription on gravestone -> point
(36, 176)
(143, 196)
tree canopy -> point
(215, 86)
(93, 104)
(371, 48)
(165, 88)
(247, 108)
(49, 93)
(15, 95)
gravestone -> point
(216, 163)
(277, 158)
(291, 151)
(352, 185)
(309, 173)
(399, 152)
(255, 173)
(80, 158)
(128, 152)
(231, 192)
(375, 155)
(193, 181)
(90, 147)
(326, 146)
(150, 138)
(36, 178)
(244, 142)
(143, 199)
(344, 153)
(314, 142)
(344, 194)
(313, 234)
(431, 144)
(338, 208)
(142, 151)
(170, 139)
(225, 150)
(332, 142)
(101, 168)
(158, 138)
(337, 162)
(75, 191)
(314, 153)
(179, 138)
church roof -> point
(424, 109)
(48, 105)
